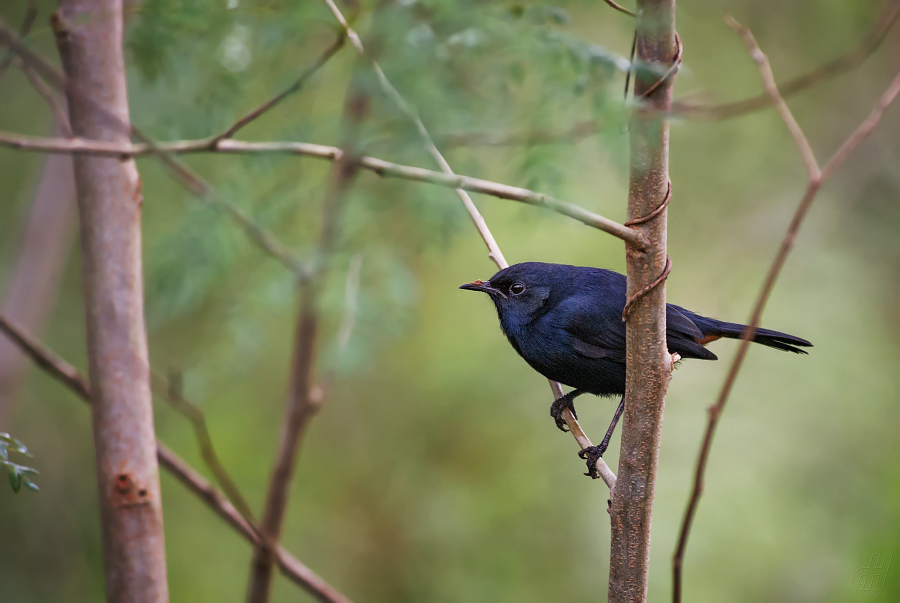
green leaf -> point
(15, 480)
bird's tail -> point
(773, 339)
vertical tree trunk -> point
(649, 364)
(89, 37)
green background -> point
(433, 472)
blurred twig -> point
(882, 25)
(816, 178)
(59, 369)
(329, 52)
(302, 404)
(24, 29)
(171, 390)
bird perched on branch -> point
(566, 322)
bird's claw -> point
(591, 454)
(557, 408)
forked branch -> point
(816, 178)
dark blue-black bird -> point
(566, 322)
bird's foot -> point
(591, 454)
(561, 404)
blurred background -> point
(433, 472)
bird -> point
(567, 323)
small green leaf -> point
(15, 480)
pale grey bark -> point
(89, 38)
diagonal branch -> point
(715, 411)
(768, 78)
(383, 168)
(882, 25)
(493, 249)
(171, 391)
(62, 371)
(308, 73)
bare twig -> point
(765, 70)
(171, 391)
(619, 7)
(383, 168)
(60, 115)
(882, 25)
(308, 73)
(301, 404)
(62, 371)
(27, 22)
(715, 411)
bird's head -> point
(519, 292)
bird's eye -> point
(517, 289)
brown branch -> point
(459, 183)
(62, 371)
(60, 115)
(383, 168)
(297, 85)
(171, 391)
(302, 404)
(27, 22)
(648, 363)
(882, 25)
(768, 78)
(787, 243)
(620, 8)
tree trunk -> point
(89, 37)
(649, 364)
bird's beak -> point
(480, 285)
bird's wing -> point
(597, 331)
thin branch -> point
(27, 22)
(383, 168)
(881, 26)
(765, 70)
(62, 371)
(60, 115)
(493, 249)
(308, 73)
(171, 391)
(620, 8)
(301, 404)
(787, 243)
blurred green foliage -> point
(18, 474)
(434, 472)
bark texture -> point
(89, 38)
(649, 363)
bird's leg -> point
(560, 404)
(592, 453)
